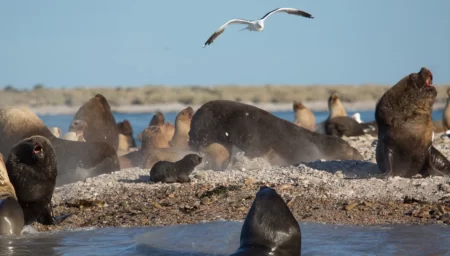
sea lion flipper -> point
(47, 217)
(437, 164)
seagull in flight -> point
(255, 25)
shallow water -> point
(222, 238)
(204, 238)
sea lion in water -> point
(304, 117)
(269, 228)
(169, 172)
(56, 131)
(405, 129)
(75, 160)
(101, 122)
(126, 129)
(182, 125)
(31, 167)
(258, 133)
(343, 126)
(217, 157)
(11, 214)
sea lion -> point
(56, 131)
(182, 125)
(369, 127)
(405, 129)
(79, 127)
(159, 120)
(343, 126)
(76, 160)
(70, 136)
(446, 114)
(169, 172)
(258, 133)
(217, 157)
(11, 214)
(335, 106)
(126, 129)
(269, 228)
(101, 122)
(31, 167)
(304, 117)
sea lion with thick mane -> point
(182, 125)
(304, 117)
(76, 160)
(101, 122)
(405, 129)
(11, 214)
(32, 170)
(179, 171)
(126, 129)
(257, 133)
(269, 228)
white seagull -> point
(255, 25)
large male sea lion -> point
(76, 160)
(11, 214)
(32, 170)
(304, 117)
(269, 228)
(182, 125)
(179, 171)
(259, 133)
(405, 129)
(101, 122)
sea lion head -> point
(78, 126)
(186, 114)
(157, 120)
(125, 127)
(193, 159)
(154, 137)
(422, 82)
(297, 105)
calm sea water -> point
(222, 237)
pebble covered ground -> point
(338, 192)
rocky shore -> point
(336, 192)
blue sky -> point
(112, 42)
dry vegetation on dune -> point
(144, 95)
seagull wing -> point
(222, 28)
(289, 11)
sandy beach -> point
(338, 192)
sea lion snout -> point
(427, 76)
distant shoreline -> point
(176, 107)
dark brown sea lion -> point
(269, 228)
(179, 171)
(126, 129)
(182, 125)
(31, 167)
(304, 117)
(405, 129)
(76, 160)
(11, 214)
(101, 122)
(258, 133)
(343, 126)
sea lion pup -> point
(32, 170)
(125, 128)
(257, 133)
(79, 127)
(304, 117)
(76, 160)
(169, 172)
(217, 157)
(343, 126)
(182, 125)
(102, 124)
(269, 228)
(11, 214)
(56, 131)
(405, 129)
